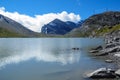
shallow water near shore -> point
(47, 58)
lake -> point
(47, 58)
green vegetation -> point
(77, 34)
(4, 33)
(106, 29)
(95, 32)
(7, 33)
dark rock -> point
(98, 48)
(110, 45)
(111, 50)
(102, 54)
(75, 48)
(114, 50)
(116, 39)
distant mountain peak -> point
(1, 15)
(58, 26)
(3, 18)
(56, 19)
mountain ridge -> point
(96, 22)
(58, 27)
(14, 27)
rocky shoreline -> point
(111, 51)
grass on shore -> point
(5, 34)
(107, 29)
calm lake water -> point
(47, 58)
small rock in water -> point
(109, 61)
(75, 48)
(94, 51)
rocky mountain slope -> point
(59, 27)
(11, 28)
(96, 23)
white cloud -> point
(35, 23)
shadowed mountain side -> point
(58, 27)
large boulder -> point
(102, 73)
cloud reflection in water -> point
(61, 56)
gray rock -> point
(117, 72)
(94, 51)
(109, 61)
(103, 73)
(111, 50)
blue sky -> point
(34, 14)
(85, 8)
